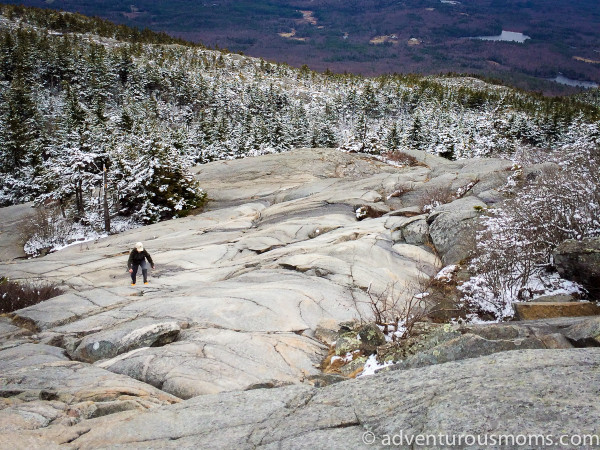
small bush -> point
(440, 195)
(14, 296)
(434, 197)
(401, 158)
(397, 310)
(45, 230)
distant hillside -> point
(372, 38)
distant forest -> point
(329, 34)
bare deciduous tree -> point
(397, 309)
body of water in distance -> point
(505, 36)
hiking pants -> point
(144, 266)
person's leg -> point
(134, 273)
(145, 271)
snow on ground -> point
(69, 234)
(372, 365)
(481, 296)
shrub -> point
(515, 243)
(45, 230)
(398, 309)
(434, 197)
(401, 158)
(14, 296)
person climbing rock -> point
(137, 258)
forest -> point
(563, 35)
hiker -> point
(138, 257)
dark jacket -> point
(136, 258)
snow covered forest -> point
(103, 121)
(73, 101)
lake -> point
(576, 83)
(505, 36)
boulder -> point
(353, 367)
(526, 328)
(547, 310)
(424, 336)
(324, 379)
(585, 334)
(371, 337)
(555, 298)
(579, 261)
(409, 211)
(451, 228)
(465, 347)
(110, 343)
(410, 230)
(491, 197)
(495, 332)
(41, 386)
(326, 331)
(416, 232)
(555, 341)
(547, 333)
(347, 343)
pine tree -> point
(415, 136)
(20, 131)
(393, 138)
(156, 183)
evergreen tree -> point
(20, 132)
(156, 184)
(415, 136)
(393, 138)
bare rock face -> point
(208, 361)
(580, 261)
(451, 228)
(11, 227)
(242, 297)
(555, 298)
(469, 397)
(465, 347)
(41, 387)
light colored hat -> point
(139, 246)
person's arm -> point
(149, 258)
(130, 260)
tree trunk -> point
(79, 197)
(105, 201)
